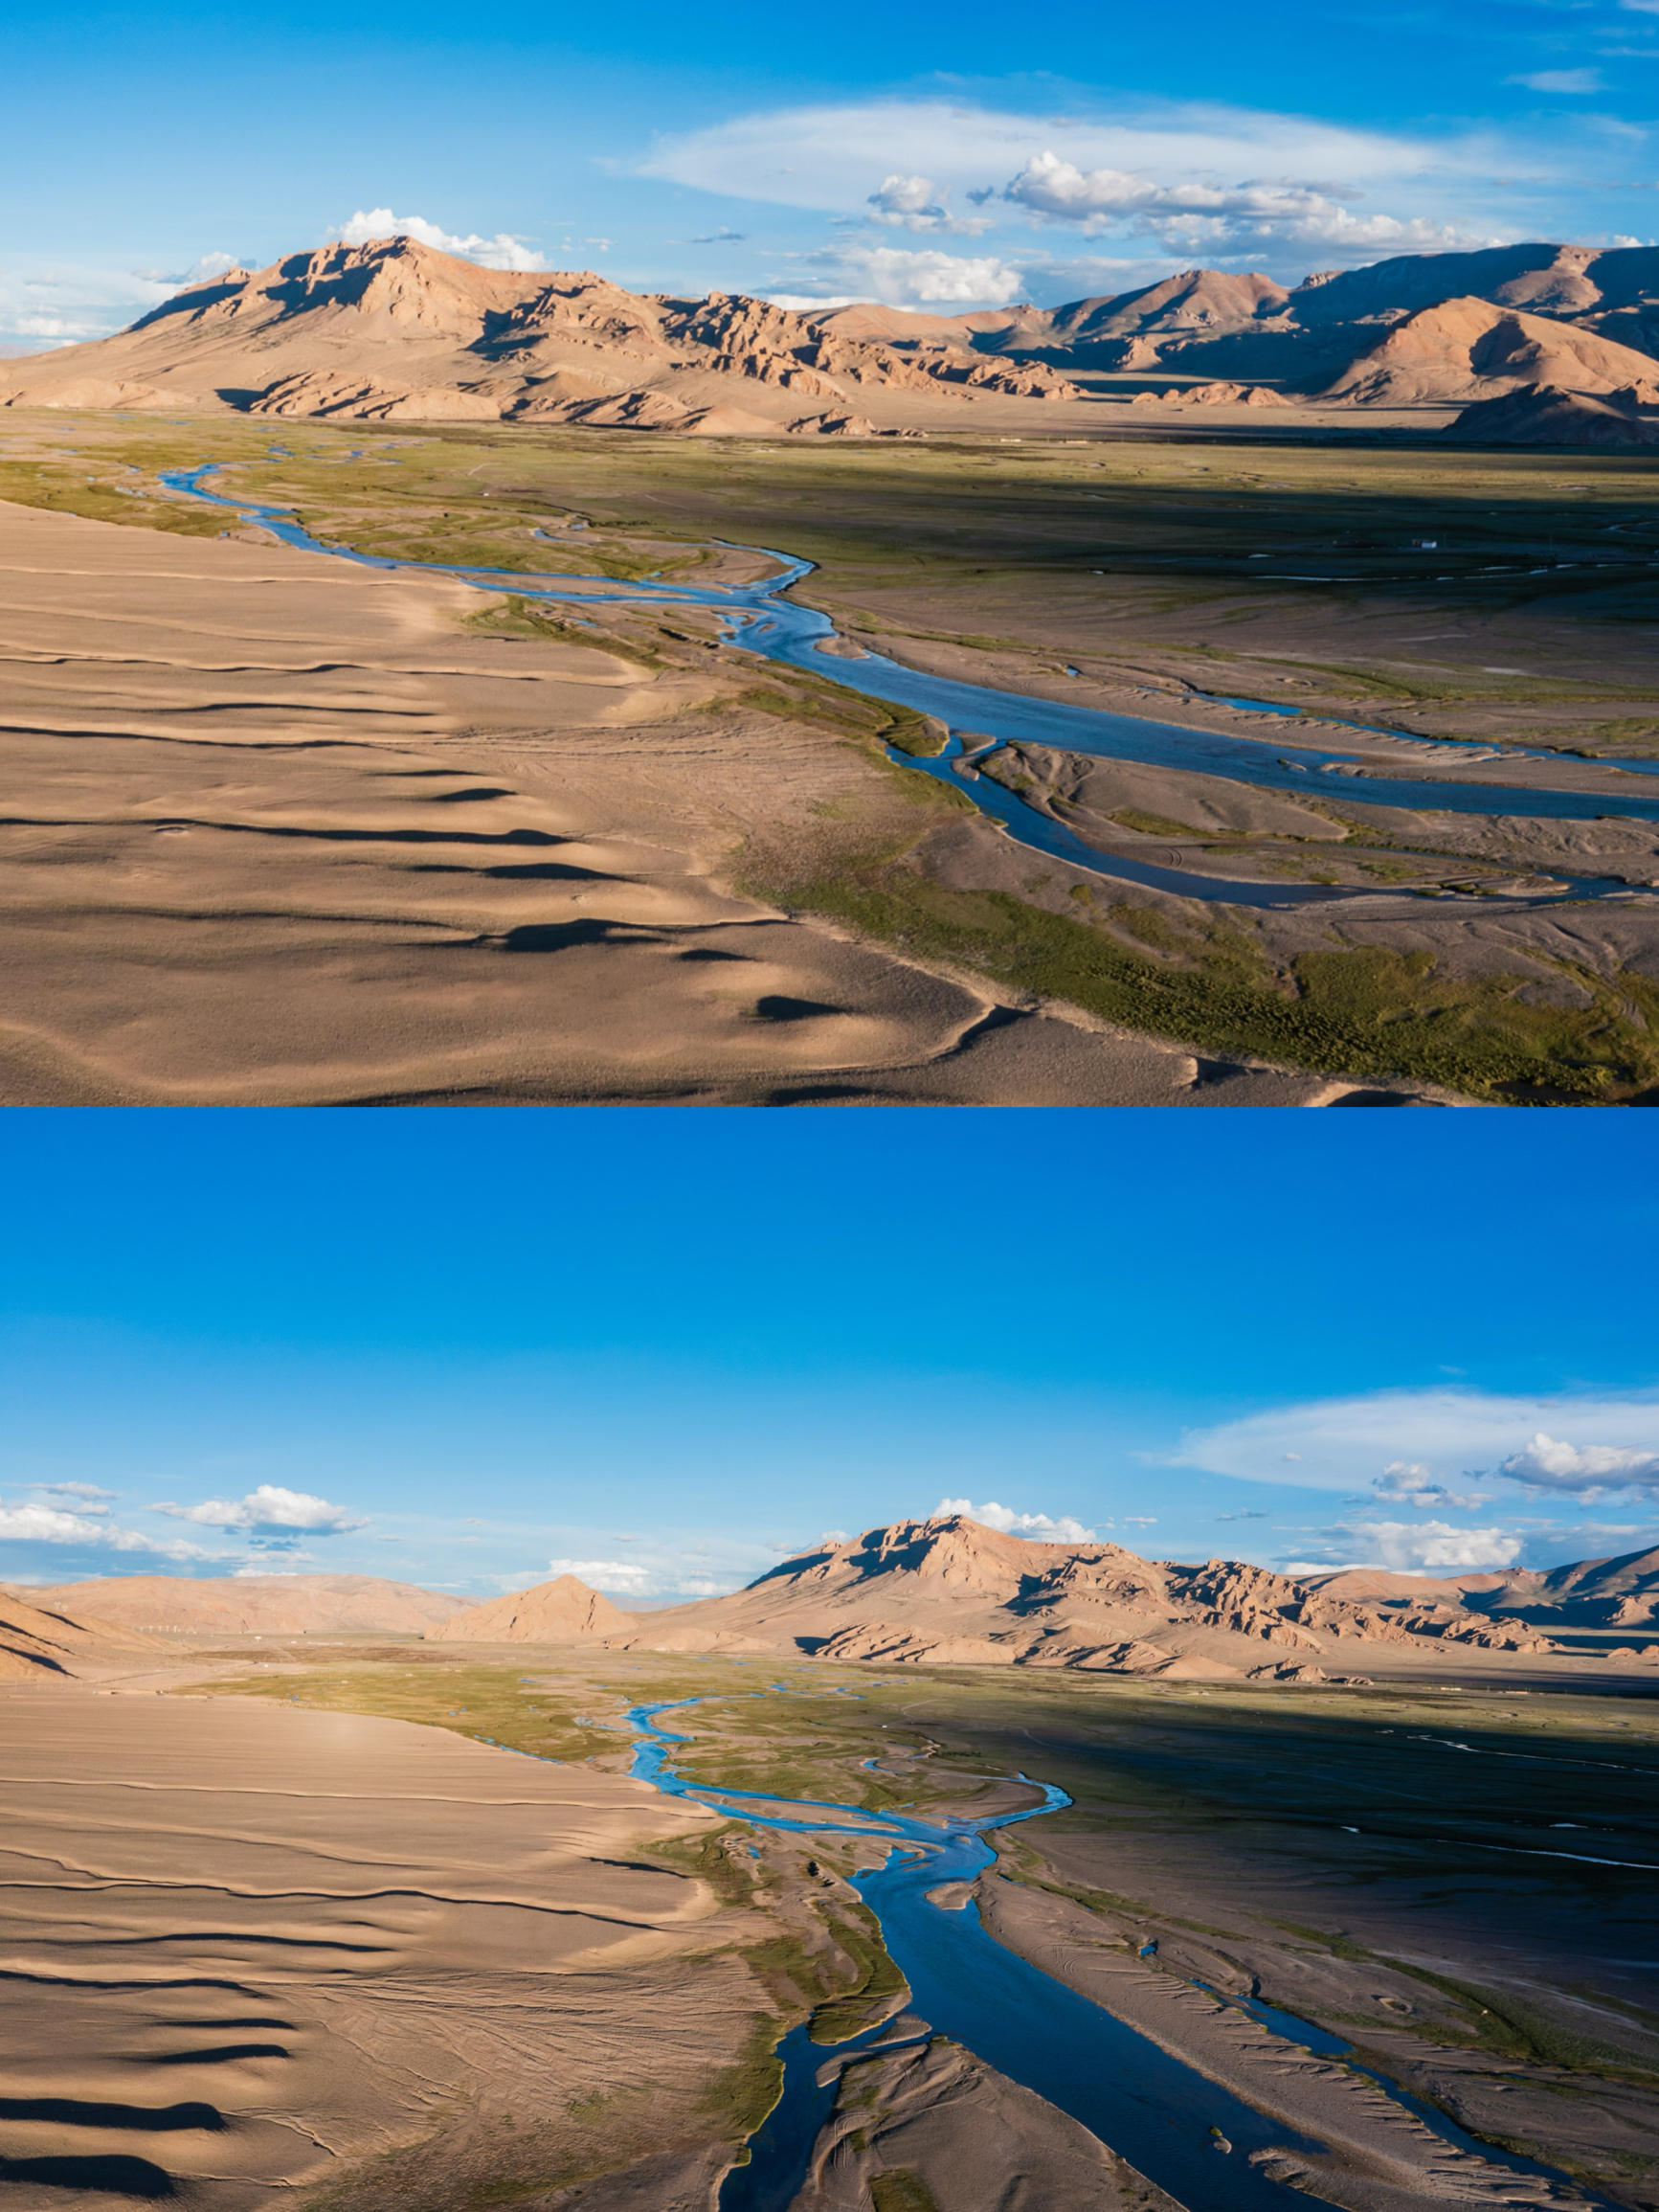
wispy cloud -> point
(1574, 80)
(1439, 1434)
(1170, 176)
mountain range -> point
(1562, 340)
(941, 1592)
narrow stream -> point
(1181, 2129)
(763, 621)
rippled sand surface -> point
(247, 1946)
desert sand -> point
(251, 1947)
(283, 831)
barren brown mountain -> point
(395, 331)
(950, 1592)
(1545, 415)
(257, 1604)
(1466, 349)
(564, 1610)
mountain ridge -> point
(949, 1590)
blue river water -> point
(762, 619)
(1182, 2130)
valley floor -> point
(267, 807)
(1446, 1880)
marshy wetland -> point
(1475, 622)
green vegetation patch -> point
(1362, 1010)
(902, 2189)
(488, 1704)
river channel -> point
(1181, 2129)
(761, 619)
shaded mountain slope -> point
(948, 1592)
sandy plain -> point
(893, 944)
(1379, 1861)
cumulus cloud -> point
(1425, 1546)
(916, 203)
(501, 251)
(40, 1524)
(606, 1574)
(1339, 1443)
(902, 277)
(1039, 1527)
(1589, 1471)
(1219, 219)
(268, 1507)
(1410, 1481)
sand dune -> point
(248, 1948)
(563, 1610)
(948, 1592)
(257, 1604)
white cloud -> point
(1561, 79)
(1340, 1443)
(902, 277)
(1219, 219)
(1166, 172)
(1410, 1481)
(1039, 1527)
(1426, 1545)
(1640, 7)
(501, 251)
(37, 1523)
(81, 1497)
(1589, 1471)
(631, 1574)
(915, 203)
(269, 1507)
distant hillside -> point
(395, 331)
(40, 1640)
(563, 1610)
(948, 1592)
(1210, 323)
(257, 1604)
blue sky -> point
(664, 1349)
(927, 156)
